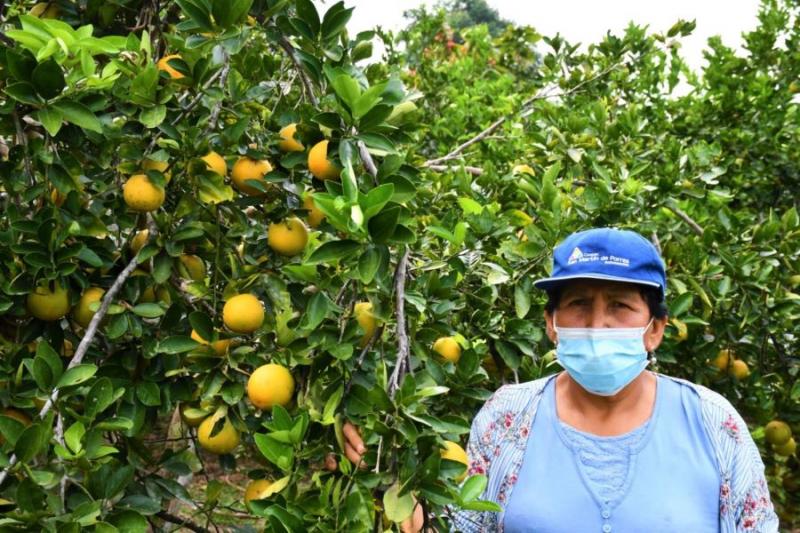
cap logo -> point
(575, 256)
(578, 256)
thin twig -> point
(656, 242)
(542, 94)
(88, 337)
(475, 171)
(402, 337)
(167, 517)
(286, 45)
(686, 218)
(22, 140)
(190, 299)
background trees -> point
(429, 189)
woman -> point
(606, 445)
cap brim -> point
(553, 283)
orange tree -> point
(225, 233)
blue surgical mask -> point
(602, 360)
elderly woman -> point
(607, 445)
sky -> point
(586, 21)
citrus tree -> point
(227, 236)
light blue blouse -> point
(661, 477)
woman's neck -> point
(606, 415)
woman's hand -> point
(354, 449)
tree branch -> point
(286, 45)
(167, 517)
(402, 337)
(686, 218)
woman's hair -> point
(651, 295)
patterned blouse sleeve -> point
(745, 504)
(480, 450)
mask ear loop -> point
(651, 355)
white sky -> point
(587, 21)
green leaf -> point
(397, 507)
(368, 265)
(383, 226)
(177, 344)
(149, 393)
(150, 310)
(348, 175)
(203, 325)
(22, 91)
(335, 20)
(333, 251)
(473, 488)
(79, 114)
(470, 206)
(522, 301)
(10, 428)
(51, 119)
(99, 397)
(374, 200)
(198, 11)
(681, 304)
(308, 13)
(77, 375)
(73, 437)
(346, 89)
(48, 79)
(212, 189)
(230, 12)
(278, 453)
(317, 310)
(153, 117)
(30, 442)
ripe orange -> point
(163, 64)
(318, 163)
(82, 314)
(243, 313)
(740, 370)
(141, 194)
(288, 237)
(288, 142)
(315, 215)
(215, 163)
(225, 441)
(250, 169)
(270, 385)
(448, 348)
(48, 305)
(454, 452)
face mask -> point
(602, 360)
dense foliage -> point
(442, 176)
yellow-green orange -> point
(722, 360)
(220, 346)
(363, 313)
(258, 489)
(48, 305)
(454, 452)
(270, 385)
(288, 237)
(739, 369)
(318, 163)
(243, 313)
(288, 143)
(193, 267)
(448, 348)
(246, 169)
(161, 166)
(81, 313)
(215, 163)
(150, 295)
(139, 240)
(315, 215)
(787, 448)
(777, 432)
(163, 64)
(225, 441)
(141, 194)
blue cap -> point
(606, 253)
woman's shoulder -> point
(716, 408)
(515, 397)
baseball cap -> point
(606, 253)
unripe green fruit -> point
(777, 432)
